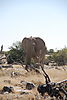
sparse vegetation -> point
(60, 56)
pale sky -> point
(38, 18)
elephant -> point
(34, 47)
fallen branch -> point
(53, 89)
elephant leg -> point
(28, 60)
(41, 59)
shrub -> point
(60, 57)
(16, 53)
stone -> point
(30, 86)
(7, 89)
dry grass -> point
(22, 75)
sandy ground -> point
(8, 79)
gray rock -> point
(28, 85)
(7, 89)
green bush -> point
(60, 57)
(16, 53)
(51, 51)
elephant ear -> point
(26, 44)
(40, 49)
(40, 45)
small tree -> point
(16, 53)
(60, 57)
(51, 51)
